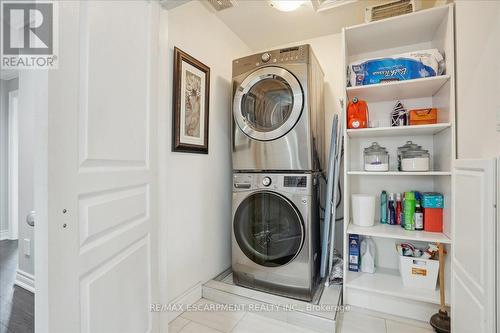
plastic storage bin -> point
(419, 273)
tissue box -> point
(407, 66)
(432, 200)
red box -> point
(433, 219)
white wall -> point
(6, 86)
(197, 187)
(477, 73)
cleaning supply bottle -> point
(367, 250)
(403, 210)
(399, 209)
(391, 208)
(357, 114)
(418, 217)
(409, 210)
(383, 207)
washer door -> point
(268, 229)
(268, 103)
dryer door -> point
(268, 103)
(268, 229)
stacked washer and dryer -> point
(278, 157)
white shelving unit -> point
(383, 291)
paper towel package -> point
(406, 66)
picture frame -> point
(191, 100)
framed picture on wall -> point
(190, 104)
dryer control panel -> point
(296, 54)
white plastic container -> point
(363, 210)
(419, 273)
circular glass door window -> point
(268, 103)
(268, 229)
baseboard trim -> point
(191, 296)
(25, 280)
(4, 234)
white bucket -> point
(363, 210)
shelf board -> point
(396, 232)
(417, 88)
(388, 282)
(399, 173)
(415, 28)
(415, 130)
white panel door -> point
(102, 174)
(473, 285)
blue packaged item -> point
(354, 253)
(432, 200)
(412, 65)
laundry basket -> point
(419, 273)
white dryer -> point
(278, 111)
(275, 233)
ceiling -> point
(260, 26)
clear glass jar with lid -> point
(415, 160)
(408, 146)
(376, 158)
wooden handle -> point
(441, 277)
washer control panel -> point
(291, 183)
(295, 181)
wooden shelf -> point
(396, 232)
(388, 282)
(416, 130)
(399, 173)
(417, 88)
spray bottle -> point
(391, 208)
(399, 209)
(383, 207)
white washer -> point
(278, 111)
(275, 233)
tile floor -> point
(244, 322)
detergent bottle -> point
(357, 114)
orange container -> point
(423, 116)
(433, 219)
(357, 114)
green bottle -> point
(409, 210)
